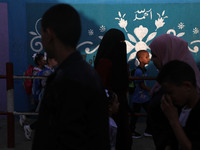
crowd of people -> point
(86, 108)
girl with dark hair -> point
(40, 61)
(113, 107)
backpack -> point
(28, 83)
(132, 83)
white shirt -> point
(113, 133)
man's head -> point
(63, 21)
(179, 81)
(143, 57)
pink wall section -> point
(4, 52)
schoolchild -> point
(113, 106)
(40, 62)
(179, 83)
(48, 70)
(140, 97)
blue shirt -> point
(140, 95)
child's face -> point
(178, 94)
(144, 58)
(42, 62)
(115, 105)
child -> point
(47, 71)
(140, 97)
(113, 106)
(179, 82)
(40, 62)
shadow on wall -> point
(90, 38)
(87, 45)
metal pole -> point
(10, 105)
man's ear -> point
(50, 34)
(188, 85)
(140, 59)
(110, 108)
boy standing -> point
(179, 82)
(140, 97)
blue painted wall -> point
(141, 21)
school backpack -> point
(132, 83)
(28, 83)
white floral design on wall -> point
(141, 32)
(138, 37)
(35, 43)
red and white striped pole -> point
(10, 105)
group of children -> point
(138, 99)
(44, 67)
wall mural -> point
(141, 23)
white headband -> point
(107, 93)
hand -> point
(172, 114)
(169, 109)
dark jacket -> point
(73, 113)
(115, 78)
(192, 128)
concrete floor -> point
(21, 143)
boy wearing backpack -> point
(140, 97)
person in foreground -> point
(73, 113)
(165, 48)
(179, 82)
